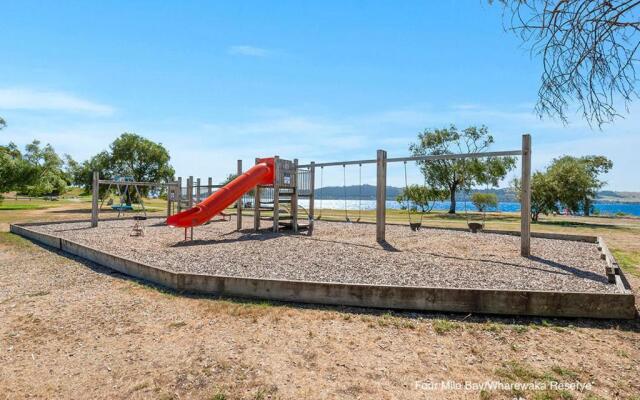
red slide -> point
(260, 174)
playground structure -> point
(286, 181)
(431, 269)
(278, 184)
(123, 186)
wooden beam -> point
(294, 197)
(276, 194)
(312, 195)
(152, 184)
(381, 195)
(256, 206)
(190, 191)
(421, 158)
(239, 202)
(179, 194)
(95, 193)
(525, 198)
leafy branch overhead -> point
(589, 51)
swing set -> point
(416, 221)
(125, 198)
(345, 197)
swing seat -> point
(475, 227)
(415, 226)
(122, 207)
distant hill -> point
(609, 196)
(368, 192)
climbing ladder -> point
(281, 200)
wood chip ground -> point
(348, 253)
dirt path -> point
(69, 329)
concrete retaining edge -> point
(484, 301)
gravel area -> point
(347, 253)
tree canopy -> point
(3, 123)
(577, 180)
(128, 155)
(568, 182)
(461, 174)
(420, 197)
(36, 172)
(588, 50)
(484, 201)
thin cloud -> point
(249, 51)
(29, 99)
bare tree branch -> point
(589, 51)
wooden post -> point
(197, 190)
(312, 195)
(294, 197)
(209, 186)
(179, 194)
(525, 198)
(381, 195)
(239, 203)
(95, 193)
(169, 191)
(256, 206)
(276, 194)
(190, 191)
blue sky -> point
(221, 81)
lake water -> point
(603, 208)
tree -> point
(83, 175)
(3, 123)
(36, 172)
(595, 165)
(141, 158)
(43, 174)
(420, 197)
(453, 175)
(588, 49)
(128, 155)
(12, 168)
(576, 180)
(544, 194)
(484, 201)
(72, 168)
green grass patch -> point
(518, 372)
(520, 328)
(564, 372)
(13, 206)
(443, 326)
(492, 327)
(629, 261)
(10, 239)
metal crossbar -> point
(420, 158)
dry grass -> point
(70, 329)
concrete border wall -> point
(508, 302)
